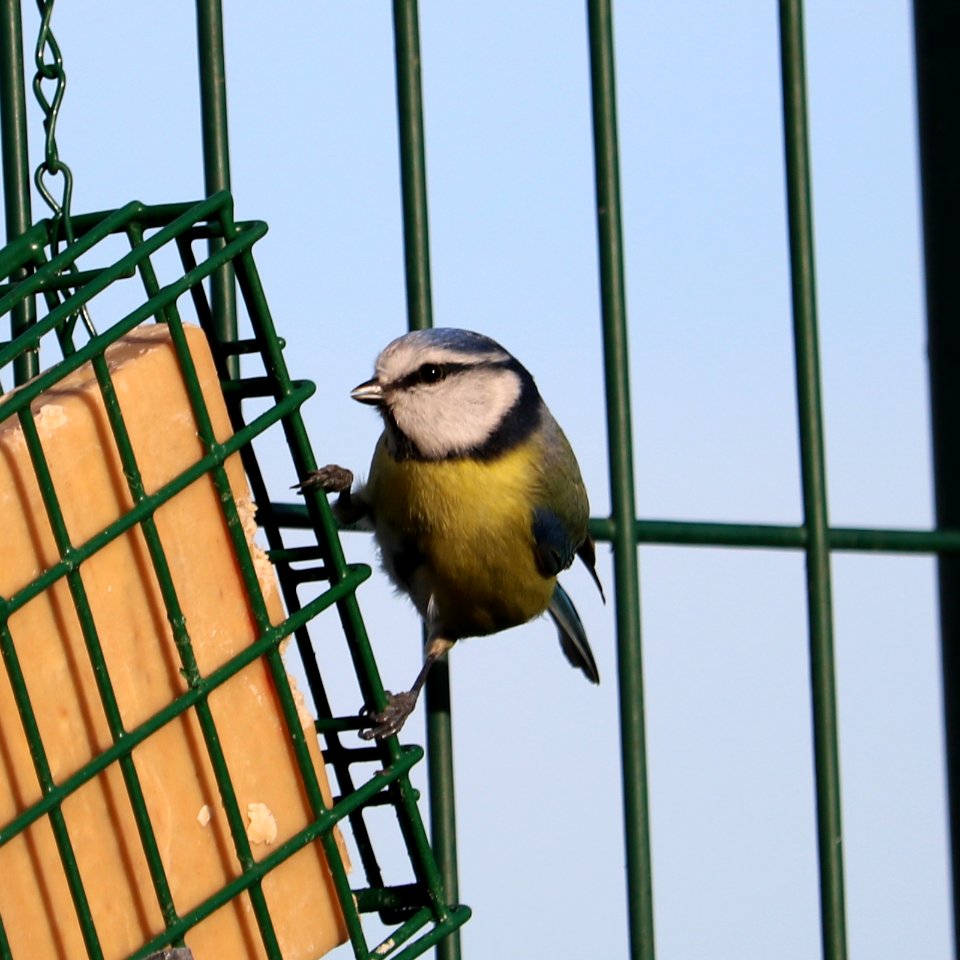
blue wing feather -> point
(556, 549)
(554, 546)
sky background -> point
(513, 238)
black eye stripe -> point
(430, 373)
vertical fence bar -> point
(16, 167)
(413, 164)
(819, 603)
(937, 35)
(416, 246)
(216, 157)
(620, 438)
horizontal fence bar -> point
(697, 533)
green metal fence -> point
(937, 39)
(938, 32)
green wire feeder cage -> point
(76, 878)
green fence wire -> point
(813, 480)
(216, 149)
(416, 245)
(937, 35)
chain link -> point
(49, 64)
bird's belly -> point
(464, 529)
(484, 584)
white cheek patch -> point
(458, 413)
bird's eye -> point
(431, 373)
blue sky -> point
(314, 153)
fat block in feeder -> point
(172, 764)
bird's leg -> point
(400, 705)
(333, 479)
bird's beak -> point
(368, 392)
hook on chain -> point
(61, 207)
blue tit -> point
(474, 496)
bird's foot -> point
(393, 716)
(330, 479)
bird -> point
(474, 496)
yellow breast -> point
(472, 522)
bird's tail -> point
(573, 638)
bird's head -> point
(447, 393)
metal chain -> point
(49, 63)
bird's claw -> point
(330, 479)
(388, 721)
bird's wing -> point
(554, 547)
(573, 638)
